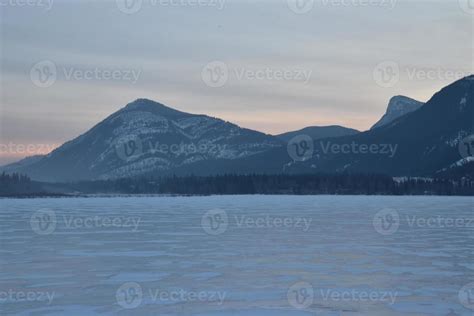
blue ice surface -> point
(425, 267)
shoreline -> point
(120, 195)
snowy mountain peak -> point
(146, 105)
(145, 138)
(397, 107)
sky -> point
(272, 66)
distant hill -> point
(318, 132)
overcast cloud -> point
(285, 68)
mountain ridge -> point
(160, 137)
(427, 140)
(148, 138)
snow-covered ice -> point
(240, 255)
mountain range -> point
(149, 138)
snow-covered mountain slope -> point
(420, 143)
(147, 138)
(398, 107)
(23, 163)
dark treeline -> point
(342, 184)
(17, 184)
(353, 184)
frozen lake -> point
(246, 255)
